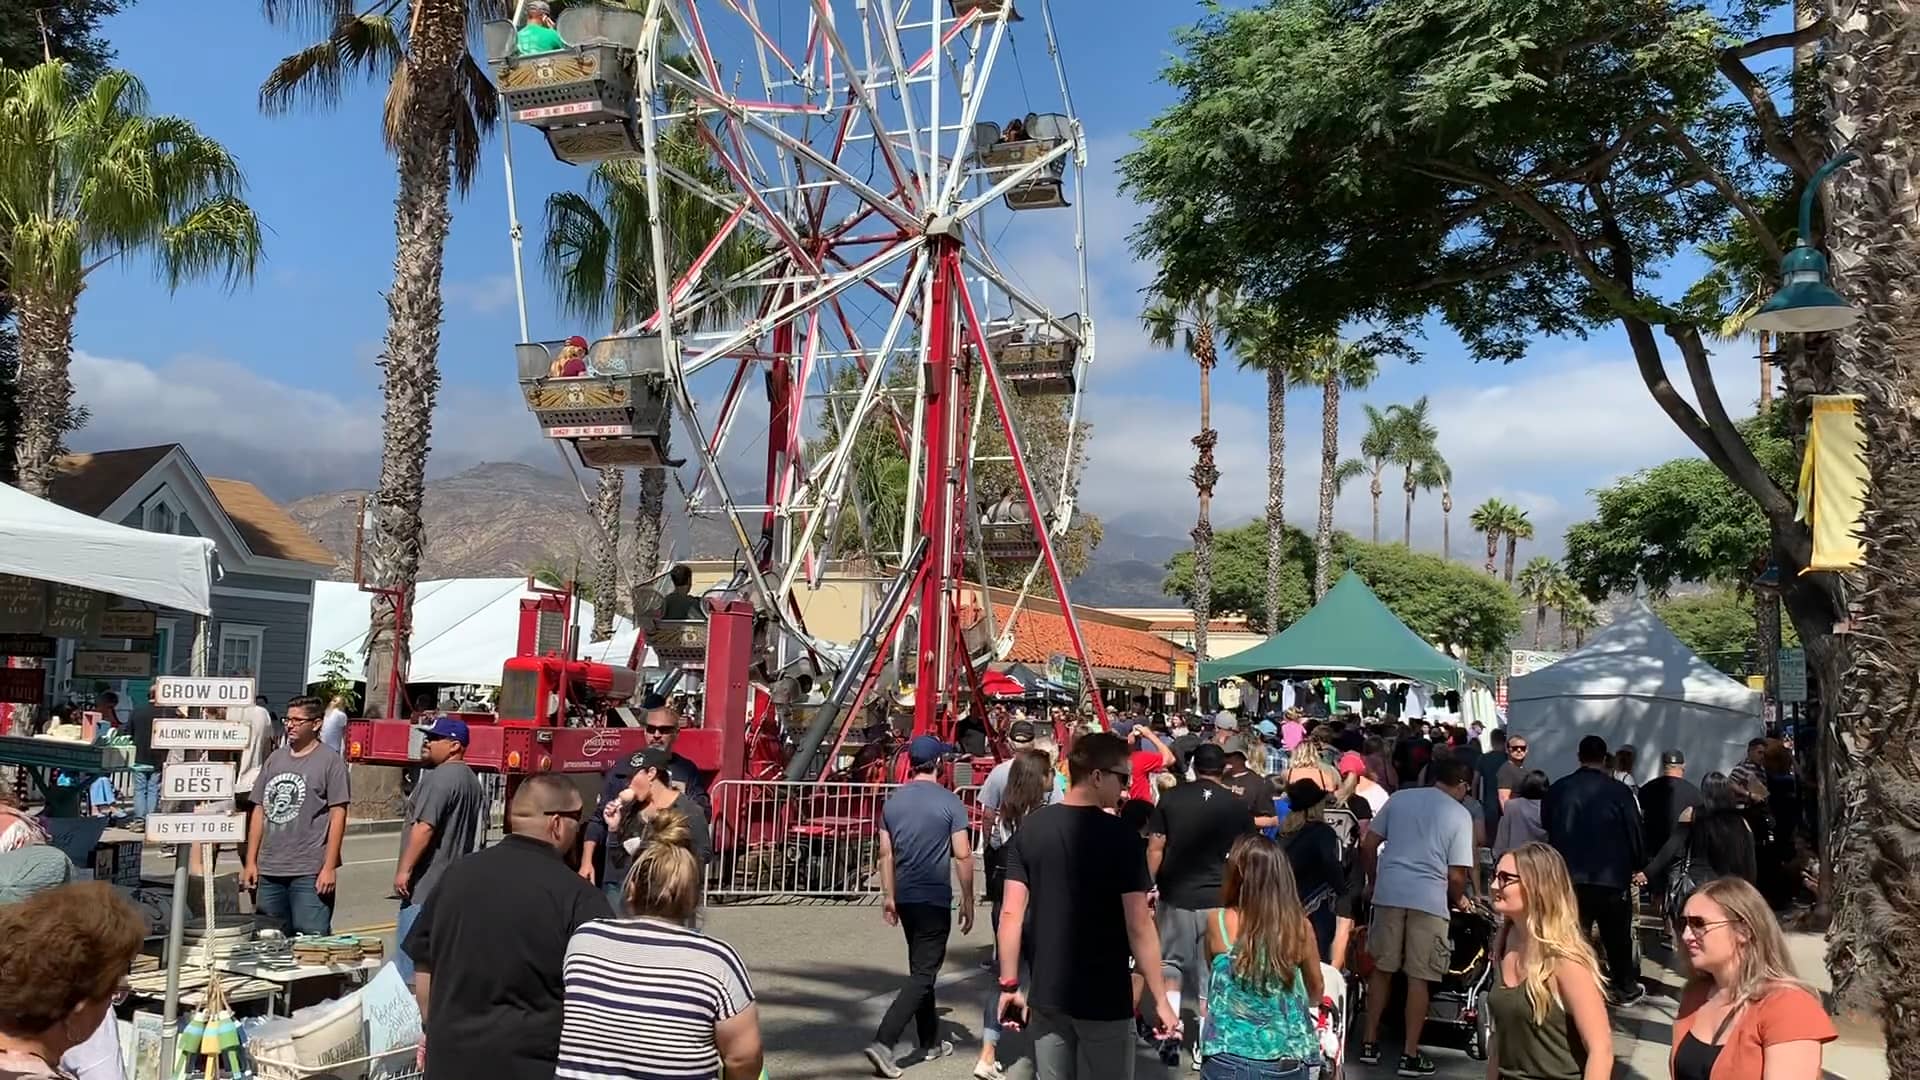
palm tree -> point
(1376, 452)
(1258, 343)
(607, 500)
(1332, 365)
(88, 179)
(1517, 527)
(1567, 598)
(1192, 320)
(1578, 615)
(1538, 584)
(598, 255)
(1444, 473)
(1490, 518)
(1413, 450)
(440, 105)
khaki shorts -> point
(1416, 942)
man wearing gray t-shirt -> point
(443, 818)
(296, 826)
(1416, 884)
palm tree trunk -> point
(1873, 78)
(1329, 465)
(1446, 526)
(1539, 622)
(43, 386)
(1563, 629)
(1513, 547)
(1407, 536)
(649, 518)
(1205, 475)
(410, 359)
(606, 550)
(1276, 490)
(1376, 506)
(1493, 549)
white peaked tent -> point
(464, 629)
(51, 543)
(1634, 684)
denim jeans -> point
(146, 793)
(403, 923)
(295, 904)
(1229, 1067)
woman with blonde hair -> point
(1306, 763)
(648, 993)
(1264, 981)
(1744, 1015)
(1548, 1009)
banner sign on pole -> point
(204, 690)
(111, 664)
(196, 828)
(194, 781)
(177, 734)
(126, 623)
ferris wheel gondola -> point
(848, 179)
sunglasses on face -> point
(1124, 776)
(662, 729)
(1698, 927)
(1502, 880)
(1516, 749)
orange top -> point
(1786, 1014)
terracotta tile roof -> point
(90, 483)
(270, 532)
(1214, 626)
(1038, 634)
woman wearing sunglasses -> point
(1549, 1012)
(1744, 1015)
(59, 992)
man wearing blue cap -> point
(443, 819)
(923, 832)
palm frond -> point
(1162, 322)
(366, 44)
(576, 253)
(475, 115)
(1350, 469)
(219, 237)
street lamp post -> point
(1806, 302)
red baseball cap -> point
(1351, 762)
(577, 341)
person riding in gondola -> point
(1015, 131)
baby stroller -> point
(1460, 1000)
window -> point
(240, 649)
(162, 514)
(160, 518)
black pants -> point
(1613, 909)
(926, 927)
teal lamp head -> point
(1805, 303)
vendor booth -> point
(1636, 684)
(1349, 632)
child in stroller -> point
(1459, 999)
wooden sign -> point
(110, 664)
(197, 781)
(126, 623)
(196, 828)
(177, 734)
(36, 646)
(23, 605)
(74, 612)
(204, 690)
(23, 686)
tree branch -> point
(1721, 184)
(1772, 130)
(1793, 39)
(1741, 466)
(1601, 162)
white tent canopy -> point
(464, 629)
(39, 539)
(1634, 684)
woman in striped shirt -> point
(649, 998)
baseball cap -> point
(651, 758)
(1123, 728)
(1226, 721)
(926, 748)
(446, 727)
(539, 5)
(1020, 731)
(1265, 727)
(1352, 763)
(1673, 757)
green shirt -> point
(535, 38)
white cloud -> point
(481, 296)
(1540, 434)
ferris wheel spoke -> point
(950, 189)
(1018, 177)
(833, 286)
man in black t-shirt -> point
(1250, 788)
(1188, 838)
(1661, 801)
(1512, 771)
(1076, 871)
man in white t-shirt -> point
(1416, 882)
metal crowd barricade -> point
(818, 840)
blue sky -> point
(278, 382)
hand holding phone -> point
(1013, 1010)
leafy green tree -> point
(1240, 575)
(337, 679)
(1719, 625)
(88, 178)
(1678, 521)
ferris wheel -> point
(829, 206)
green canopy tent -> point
(1349, 632)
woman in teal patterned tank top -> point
(1265, 980)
